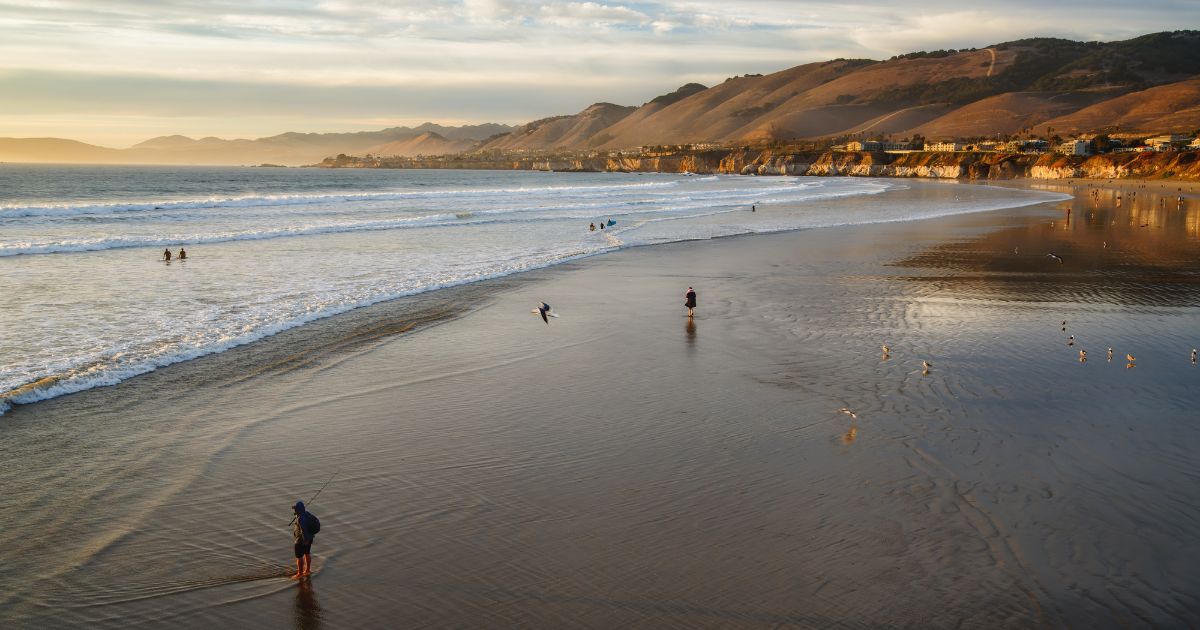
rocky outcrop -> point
(744, 161)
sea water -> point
(89, 301)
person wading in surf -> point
(690, 302)
(304, 528)
(167, 255)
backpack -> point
(314, 524)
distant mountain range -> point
(285, 148)
(1149, 84)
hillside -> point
(998, 90)
(1175, 106)
(560, 131)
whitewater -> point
(89, 302)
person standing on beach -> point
(690, 302)
(304, 528)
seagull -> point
(1110, 354)
(847, 411)
(1082, 356)
(1055, 257)
(1071, 340)
(1064, 325)
(544, 310)
(1193, 356)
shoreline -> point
(20, 396)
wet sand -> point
(625, 466)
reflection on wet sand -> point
(308, 611)
(1143, 251)
(690, 330)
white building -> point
(1166, 142)
(1072, 147)
(944, 147)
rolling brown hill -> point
(561, 131)
(1005, 114)
(1164, 108)
(998, 90)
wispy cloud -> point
(468, 60)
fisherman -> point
(304, 528)
(182, 254)
(690, 302)
(167, 255)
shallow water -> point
(89, 301)
(625, 467)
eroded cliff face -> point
(1175, 165)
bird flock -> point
(1130, 362)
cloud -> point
(534, 56)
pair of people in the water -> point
(167, 255)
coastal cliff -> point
(996, 166)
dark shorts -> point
(303, 549)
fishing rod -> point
(314, 497)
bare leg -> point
(690, 311)
(299, 571)
(307, 564)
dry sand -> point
(624, 466)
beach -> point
(625, 466)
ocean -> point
(89, 300)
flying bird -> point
(1055, 257)
(543, 309)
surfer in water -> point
(690, 302)
(182, 254)
(167, 255)
(304, 528)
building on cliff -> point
(944, 147)
(1073, 147)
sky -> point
(117, 72)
